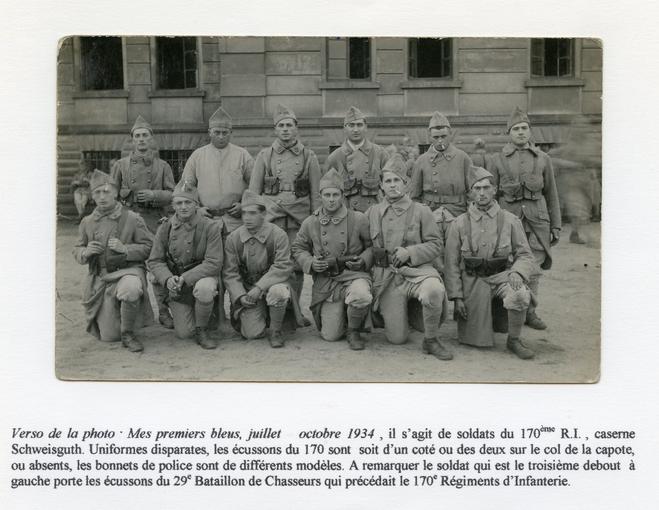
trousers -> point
(356, 293)
(128, 288)
(253, 321)
(186, 317)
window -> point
(552, 57)
(101, 63)
(101, 159)
(176, 59)
(349, 58)
(176, 159)
(430, 58)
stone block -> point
(476, 61)
(243, 63)
(390, 43)
(101, 111)
(212, 72)
(239, 107)
(138, 53)
(292, 63)
(391, 105)
(390, 83)
(210, 50)
(176, 110)
(336, 102)
(293, 43)
(593, 80)
(337, 69)
(554, 100)
(245, 44)
(591, 102)
(337, 48)
(591, 59)
(243, 85)
(139, 74)
(491, 104)
(426, 101)
(303, 106)
(493, 82)
(390, 61)
(65, 74)
(489, 43)
(283, 85)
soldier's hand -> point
(94, 248)
(515, 280)
(204, 212)
(355, 265)
(555, 236)
(319, 265)
(235, 210)
(460, 308)
(116, 245)
(255, 294)
(400, 256)
(145, 195)
(246, 301)
(173, 284)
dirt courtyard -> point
(568, 351)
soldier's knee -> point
(517, 299)
(205, 290)
(129, 288)
(359, 294)
(278, 295)
(431, 292)
(397, 338)
(330, 334)
(182, 330)
(253, 329)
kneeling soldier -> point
(186, 259)
(333, 245)
(487, 257)
(114, 242)
(257, 273)
(405, 244)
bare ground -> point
(568, 351)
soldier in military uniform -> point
(221, 171)
(257, 271)
(333, 245)
(186, 259)
(80, 187)
(405, 244)
(359, 162)
(287, 175)
(440, 175)
(114, 242)
(527, 188)
(145, 186)
(488, 257)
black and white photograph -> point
(329, 208)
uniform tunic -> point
(527, 187)
(125, 270)
(478, 292)
(441, 178)
(198, 240)
(250, 252)
(138, 172)
(345, 233)
(359, 168)
(221, 176)
(287, 164)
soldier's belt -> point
(178, 269)
(443, 199)
(483, 267)
(336, 265)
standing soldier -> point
(440, 175)
(333, 245)
(257, 270)
(405, 244)
(287, 174)
(145, 186)
(80, 187)
(525, 178)
(480, 157)
(221, 171)
(359, 162)
(487, 257)
(114, 242)
(186, 259)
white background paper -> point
(626, 396)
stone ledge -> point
(554, 82)
(431, 84)
(100, 94)
(177, 93)
(348, 84)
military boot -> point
(165, 319)
(128, 315)
(131, 343)
(534, 322)
(276, 339)
(355, 340)
(521, 351)
(202, 338)
(576, 238)
(434, 346)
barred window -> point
(176, 59)
(101, 159)
(552, 57)
(349, 58)
(430, 58)
(177, 158)
(101, 63)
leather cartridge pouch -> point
(380, 257)
(270, 185)
(351, 186)
(332, 267)
(302, 187)
(533, 185)
(512, 192)
(473, 265)
(114, 261)
(184, 295)
(495, 265)
(370, 186)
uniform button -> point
(279, 161)
(325, 243)
(324, 233)
(434, 173)
(279, 201)
(434, 164)
(523, 207)
(355, 203)
(187, 251)
(342, 232)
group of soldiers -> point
(387, 242)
